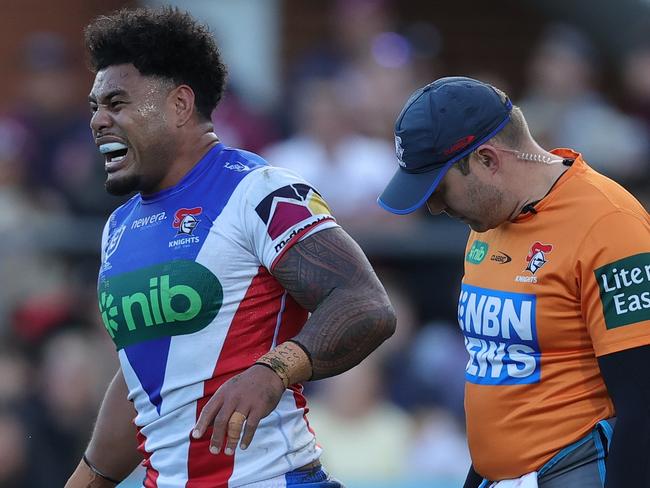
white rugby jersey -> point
(186, 294)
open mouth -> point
(114, 152)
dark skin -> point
(328, 275)
(156, 120)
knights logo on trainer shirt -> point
(288, 206)
(537, 256)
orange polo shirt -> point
(542, 298)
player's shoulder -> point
(273, 179)
(264, 184)
(258, 170)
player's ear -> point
(182, 101)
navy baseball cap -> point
(440, 124)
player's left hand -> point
(246, 398)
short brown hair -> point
(511, 136)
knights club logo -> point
(185, 220)
(537, 256)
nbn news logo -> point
(500, 336)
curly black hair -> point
(164, 42)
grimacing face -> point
(130, 127)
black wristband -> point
(94, 469)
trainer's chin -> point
(120, 185)
(477, 226)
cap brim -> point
(406, 192)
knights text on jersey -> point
(186, 294)
(541, 299)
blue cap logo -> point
(399, 150)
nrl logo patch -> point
(113, 242)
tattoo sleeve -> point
(329, 275)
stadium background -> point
(314, 86)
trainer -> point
(555, 299)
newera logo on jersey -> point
(500, 336)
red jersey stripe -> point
(250, 336)
(151, 477)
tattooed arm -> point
(329, 275)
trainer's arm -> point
(628, 383)
(113, 447)
(329, 275)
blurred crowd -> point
(399, 415)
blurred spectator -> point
(15, 377)
(22, 261)
(17, 206)
(15, 460)
(39, 300)
(636, 89)
(239, 125)
(352, 26)
(406, 311)
(375, 92)
(378, 65)
(346, 167)
(62, 164)
(636, 82)
(430, 371)
(74, 371)
(439, 448)
(564, 109)
(364, 437)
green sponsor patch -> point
(180, 297)
(477, 252)
(625, 290)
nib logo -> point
(109, 312)
(159, 301)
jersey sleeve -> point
(613, 268)
(280, 210)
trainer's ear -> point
(182, 101)
(488, 157)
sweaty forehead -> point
(122, 78)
